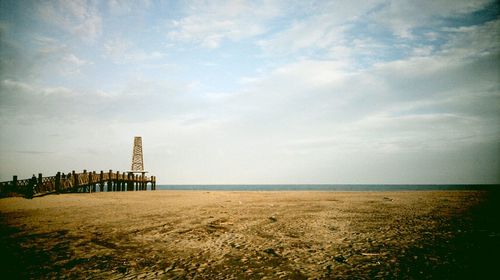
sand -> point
(249, 235)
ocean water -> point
(334, 187)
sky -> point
(253, 92)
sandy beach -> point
(250, 235)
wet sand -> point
(250, 235)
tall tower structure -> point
(137, 159)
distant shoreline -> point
(331, 187)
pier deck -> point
(77, 182)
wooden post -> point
(63, 180)
(110, 180)
(86, 187)
(89, 182)
(101, 181)
(117, 185)
(39, 185)
(124, 182)
(94, 181)
(76, 183)
(14, 184)
(123, 179)
(31, 187)
(128, 181)
(57, 184)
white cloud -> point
(79, 17)
(387, 133)
(123, 7)
(352, 32)
(53, 57)
(471, 41)
(317, 34)
(209, 23)
(402, 16)
(121, 51)
(73, 59)
(420, 132)
(135, 101)
(339, 86)
(323, 27)
(432, 100)
(18, 87)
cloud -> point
(23, 88)
(80, 18)
(34, 152)
(208, 23)
(323, 26)
(124, 7)
(472, 41)
(22, 102)
(431, 100)
(73, 59)
(121, 51)
(402, 17)
(364, 33)
(50, 56)
(135, 101)
(389, 133)
(305, 91)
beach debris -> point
(388, 198)
(171, 267)
(273, 219)
(271, 251)
(370, 254)
(122, 269)
(340, 259)
(329, 270)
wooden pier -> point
(73, 182)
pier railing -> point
(78, 182)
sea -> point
(327, 187)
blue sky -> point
(253, 91)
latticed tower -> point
(137, 159)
